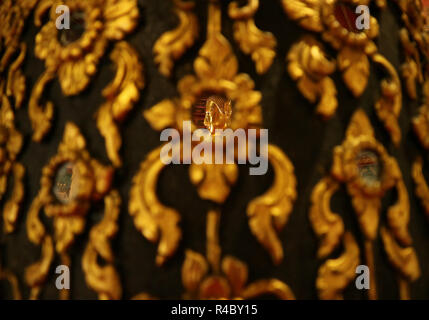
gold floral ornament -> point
(336, 21)
(364, 166)
(216, 86)
(13, 15)
(70, 182)
(227, 277)
(173, 44)
(260, 45)
(309, 66)
(73, 54)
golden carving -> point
(173, 44)
(335, 274)
(309, 66)
(75, 61)
(388, 107)
(328, 226)
(10, 145)
(364, 166)
(213, 278)
(103, 278)
(216, 70)
(270, 212)
(421, 122)
(422, 187)
(89, 182)
(121, 94)
(260, 45)
(155, 221)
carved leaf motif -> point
(269, 213)
(16, 80)
(216, 60)
(403, 259)
(355, 67)
(305, 12)
(260, 45)
(121, 17)
(389, 106)
(161, 115)
(422, 187)
(103, 279)
(398, 216)
(155, 221)
(308, 65)
(173, 44)
(335, 274)
(109, 130)
(121, 94)
(327, 225)
(40, 116)
(194, 269)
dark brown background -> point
(306, 139)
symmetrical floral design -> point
(353, 46)
(74, 54)
(70, 183)
(216, 73)
(364, 166)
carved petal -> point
(173, 44)
(216, 60)
(16, 80)
(66, 228)
(355, 67)
(305, 12)
(236, 273)
(327, 225)
(109, 130)
(335, 274)
(403, 259)
(155, 221)
(269, 213)
(194, 269)
(103, 279)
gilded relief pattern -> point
(70, 183)
(73, 181)
(363, 165)
(309, 65)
